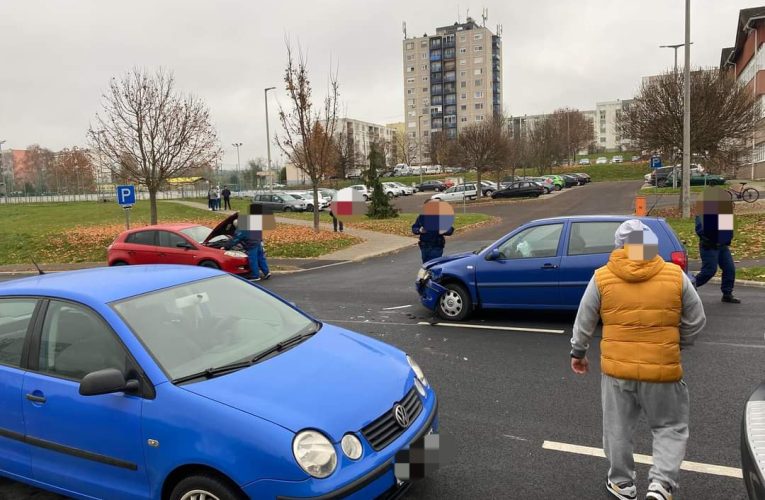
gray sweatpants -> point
(665, 406)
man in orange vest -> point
(650, 310)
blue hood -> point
(336, 381)
(448, 258)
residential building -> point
(360, 135)
(606, 123)
(747, 62)
(451, 80)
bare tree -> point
(150, 133)
(404, 148)
(544, 146)
(723, 115)
(39, 165)
(443, 150)
(484, 146)
(72, 172)
(347, 155)
(574, 131)
(307, 138)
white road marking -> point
(397, 307)
(489, 327)
(514, 437)
(718, 470)
(367, 322)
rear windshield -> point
(197, 233)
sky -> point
(57, 56)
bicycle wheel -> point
(750, 195)
(731, 194)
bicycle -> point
(749, 195)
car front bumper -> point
(430, 292)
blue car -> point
(176, 382)
(544, 264)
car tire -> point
(455, 304)
(390, 195)
(309, 208)
(489, 192)
(205, 486)
(209, 263)
(288, 209)
(558, 188)
(438, 190)
(119, 263)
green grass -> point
(668, 190)
(627, 155)
(751, 273)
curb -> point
(755, 284)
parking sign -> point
(656, 161)
(126, 195)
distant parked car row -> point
(602, 160)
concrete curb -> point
(755, 284)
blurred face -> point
(438, 216)
(641, 245)
(348, 205)
(716, 210)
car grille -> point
(386, 428)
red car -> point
(181, 243)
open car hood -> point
(225, 227)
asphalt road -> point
(503, 394)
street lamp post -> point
(237, 145)
(675, 46)
(2, 172)
(268, 139)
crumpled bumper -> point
(430, 292)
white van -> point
(402, 169)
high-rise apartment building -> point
(451, 79)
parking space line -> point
(397, 307)
(718, 470)
(489, 327)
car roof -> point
(591, 218)
(106, 284)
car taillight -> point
(681, 259)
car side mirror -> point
(187, 246)
(494, 254)
(107, 381)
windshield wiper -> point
(238, 365)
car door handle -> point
(550, 266)
(36, 399)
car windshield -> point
(210, 323)
(197, 233)
(297, 196)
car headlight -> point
(314, 453)
(423, 274)
(234, 253)
(351, 446)
(417, 371)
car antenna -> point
(38, 267)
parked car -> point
(488, 187)
(391, 190)
(584, 161)
(635, 158)
(520, 190)
(570, 180)
(436, 186)
(545, 182)
(329, 194)
(543, 264)
(135, 376)
(582, 179)
(280, 202)
(585, 176)
(401, 170)
(365, 191)
(617, 159)
(308, 196)
(557, 181)
(405, 190)
(181, 243)
(697, 179)
(457, 193)
(752, 444)
(602, 160)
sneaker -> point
(657, 491)
(267, 276)
(255, 278)
(624, 491)
(731, 299)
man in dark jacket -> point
(249, 234)
(431, 226)
(714, 227)
(226, 193)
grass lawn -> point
(81, 231)
(751, 273)
(748, 241)
(668, 190)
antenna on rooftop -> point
(499, 30)
(38, 267)
(485, 16)
(403, 27)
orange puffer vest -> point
(641, 304)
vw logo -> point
(402, 417)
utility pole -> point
(237, 145)
(2, 173)
(686, 185)
(675, 46)
(268, 141)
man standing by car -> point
(714, 227)
(650, 310)
(435, 222)
(226, 193)
(249, 234)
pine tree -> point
(380, 208)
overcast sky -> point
(57, 55)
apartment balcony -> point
(450, 77)
(435, 43)
(449, 43)
(436, 100)
(436, 77)
(451, 133)
(450, 53)
(436, 123)
(450, 99)
(435, 56)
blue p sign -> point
(126, 195)
(656, 161)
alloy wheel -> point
(451, 303)
(199, 495)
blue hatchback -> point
(176, 382)
(544, 264)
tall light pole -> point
(2, 172)
(675, 46)
(237, 145)
(686, 187)
(268, 140)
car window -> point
(197, 233)
(537, 241)
(591, 237)
(277, 199)
(142, 238)
(15, 315)
(75, 342)
(170, 240)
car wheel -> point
(390, 195)
(455, 304)
(288, 209)
(210, 264)
(558, 188)
(309, 208)
(119, 263)
(438, 190)
(366, 198)
(205, 487)
(489, 192)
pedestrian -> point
(226, 193)
(714, 227)
(209, 199)
(335, 221)
(215, 198)
(252, 243)
(650, 311)
(431, 226)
